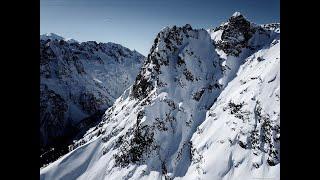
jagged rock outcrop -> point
(238, 34)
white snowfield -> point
(194, 112)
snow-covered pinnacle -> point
(171, 60)
(237, 35)
(237, 17)
(51, 36)
(70, 40)
(176, 85)
(236, 14)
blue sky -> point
(135, 23)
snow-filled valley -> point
(205, 104)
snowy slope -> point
(79, 81)
(241, 132)
(205, 105)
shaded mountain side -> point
(78, 81)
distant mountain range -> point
(78, 82)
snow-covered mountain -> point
(53, 36)
(78, 82)
(205, 105)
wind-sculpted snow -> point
(194, 111)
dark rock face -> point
(90, 103)
(141, 88)
(52, 114)
(236, 34)
(78, 81)
(132, 151)
(272, 27)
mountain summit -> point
(236, 14)
(205, 105)
(51, 36)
